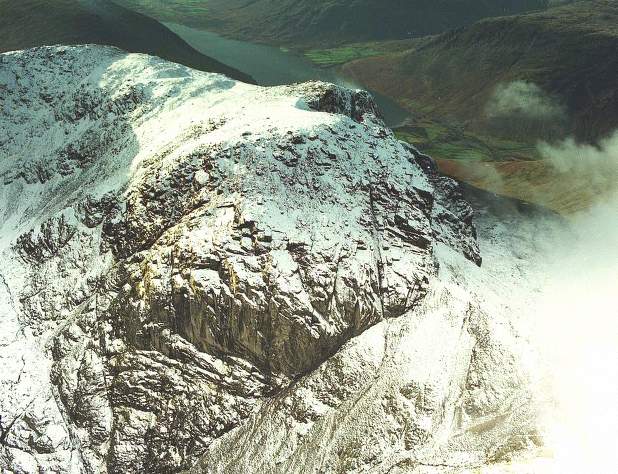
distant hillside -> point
(551, 73)
(304, 23)
(484, 97)
(29, 23)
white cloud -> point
(523, 99)
(596, 164)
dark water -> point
(271, 66)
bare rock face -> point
(195, 270)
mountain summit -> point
(200, 271)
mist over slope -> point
(28, 23)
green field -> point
(452, 142)
(342, 55)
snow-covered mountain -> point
(197, 273)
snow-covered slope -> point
(196, 270)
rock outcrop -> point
(199, 271)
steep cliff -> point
(197, 270)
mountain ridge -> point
(31, 23)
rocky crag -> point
(200, 274)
